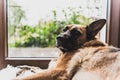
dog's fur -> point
(83, 57)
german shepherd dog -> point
(83, 56)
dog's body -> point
(83, 56)
(97, 63)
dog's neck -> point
(93, 43)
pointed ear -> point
(94, 28)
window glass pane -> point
(34, 24)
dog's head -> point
(74, 36)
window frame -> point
(114, 24)
(42, 62)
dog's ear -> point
(94, 28)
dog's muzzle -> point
(63, 42)
(66, 42)
(60, 41)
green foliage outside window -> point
(44, 33)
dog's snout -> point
(63, 36)
(60, 37)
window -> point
(32, 30)
(6, 58)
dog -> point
(83, 56)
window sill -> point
(29, 58)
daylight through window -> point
(34, 24)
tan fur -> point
(90, 62)
(93, 60)
(97, 63)
(58, 72)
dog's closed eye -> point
(75, 32)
